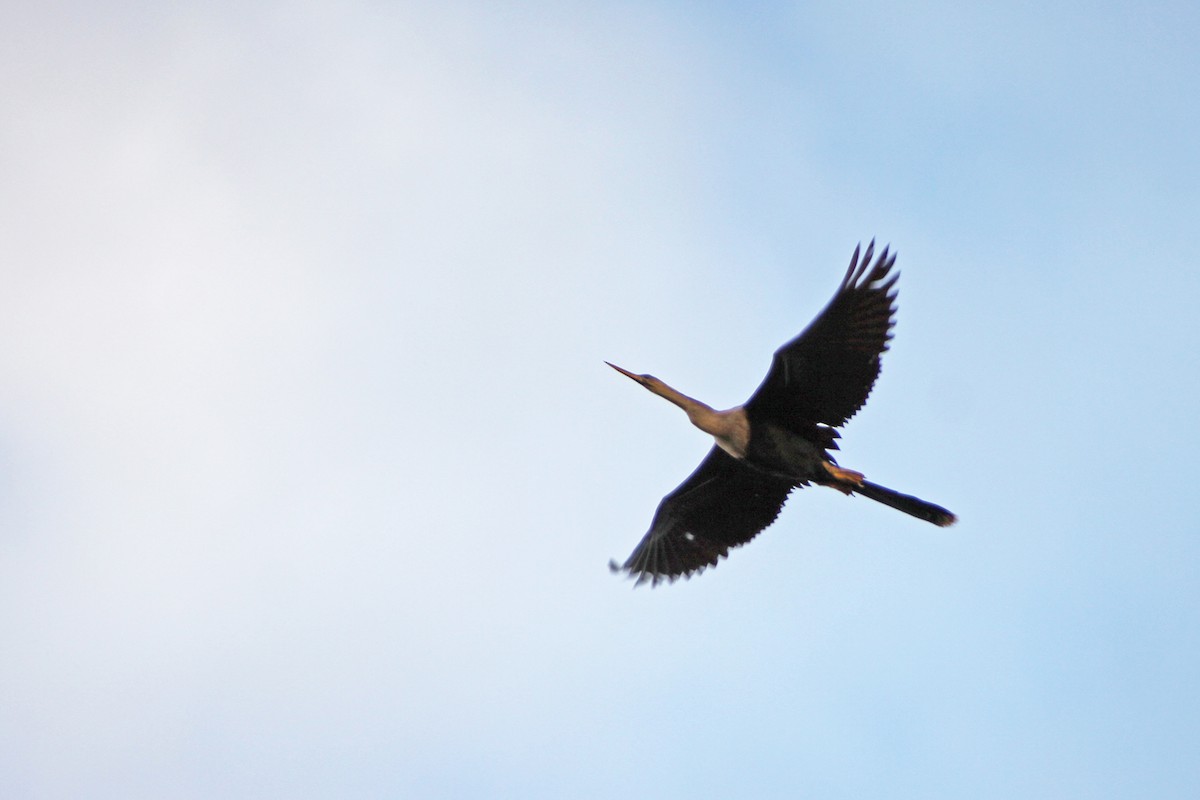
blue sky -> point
(310, 466)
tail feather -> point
(906, 503)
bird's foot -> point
(842, 477)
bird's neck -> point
(730, 428)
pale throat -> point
(730, 428)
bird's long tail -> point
(906, 503)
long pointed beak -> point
(625, 372)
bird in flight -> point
(780, 439)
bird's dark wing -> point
(723, 504)
(825, 374)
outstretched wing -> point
(825, 374)
(723, 504)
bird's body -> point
(781, 438)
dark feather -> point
(723, 504)
(826, 373)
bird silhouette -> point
(780, 439)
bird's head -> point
(649, 381)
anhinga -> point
(780, 438)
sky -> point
(310, 466)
